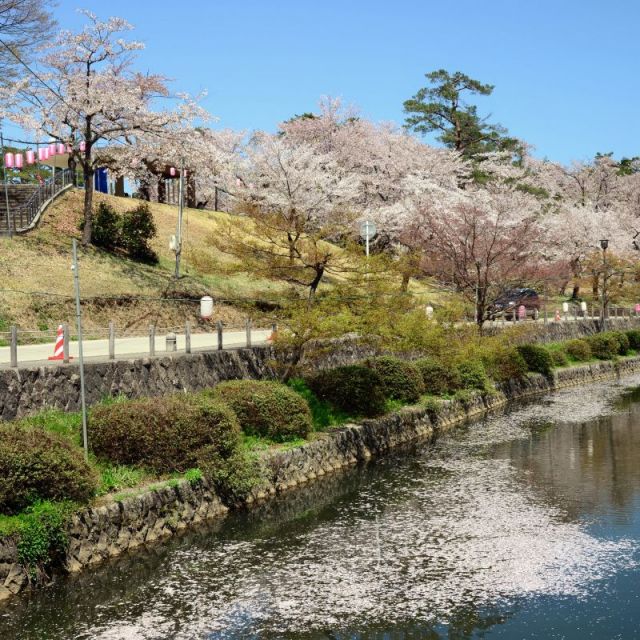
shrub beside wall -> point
(538, 359)
(163, 434)
(38, 465)
(401, 380)
(353, 389)
(438, 378)
(267, 409)
(579, 350)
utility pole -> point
(180, 210)
(76, 282)
(603, 315)
(6, 186)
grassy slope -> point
(40, 261)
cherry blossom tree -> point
(296, 199)
(88, 92)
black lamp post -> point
(604, 244)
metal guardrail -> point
(158, 341)
(24, 216)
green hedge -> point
(623, 342)
(36, 465)
(265, 408)
(634, 339)
(538, 359)
(473, 375)
(163, 434)
(559, 357)
(504, 364)
(604, 346)
(438, 378)
(579, 350)
(401, 380)
(353, 389)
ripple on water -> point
(461, 529)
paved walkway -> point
(127, 348)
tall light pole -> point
(178, 246)
(478, 318)
(604, 244)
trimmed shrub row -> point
(39, 465)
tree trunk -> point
(89, 174)
(576, 291)
(404, 285)
(73, 166)
(162, 190)
(313, 287)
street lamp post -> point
(478, 318)
(604, 244)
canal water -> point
(522, 525)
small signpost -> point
(367, 231)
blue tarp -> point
(102, 180)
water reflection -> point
(463, 540)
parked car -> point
(506, 306)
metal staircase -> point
(27, 202)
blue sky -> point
(565, 71)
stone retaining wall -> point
(105, 531)
(28, 390)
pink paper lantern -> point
(69, 148)
(46, 153)
(31, 157)
(41, 155)
(172, 171)
(59, 148)
(52, 149)
(83, 146)
(8, 160)
(19, 161)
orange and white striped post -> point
(60, 351)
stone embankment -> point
(28, 390)
(105, 531)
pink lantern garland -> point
(172, 171)
(31, 157)
(60, 148)
(52, 149)
(8, 160)
(18, 161)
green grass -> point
(323, 414)
(118, 477)
(57, 421)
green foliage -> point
(138, 228)
(42, 538)
(559, 357)
(634, 339)
(163, 434)
(442, 108)
(265, 408)
(106, 230)
(118, 477)
(604, 346)
(579, 350)
(438, 378)
(504, 363)
(401, 380)
(324, 415)
(623, 342)
(473, 375)
(36, 465)
(353, 389)
(235, 477)
(65, 424)
(193, 476)
(538, 359)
